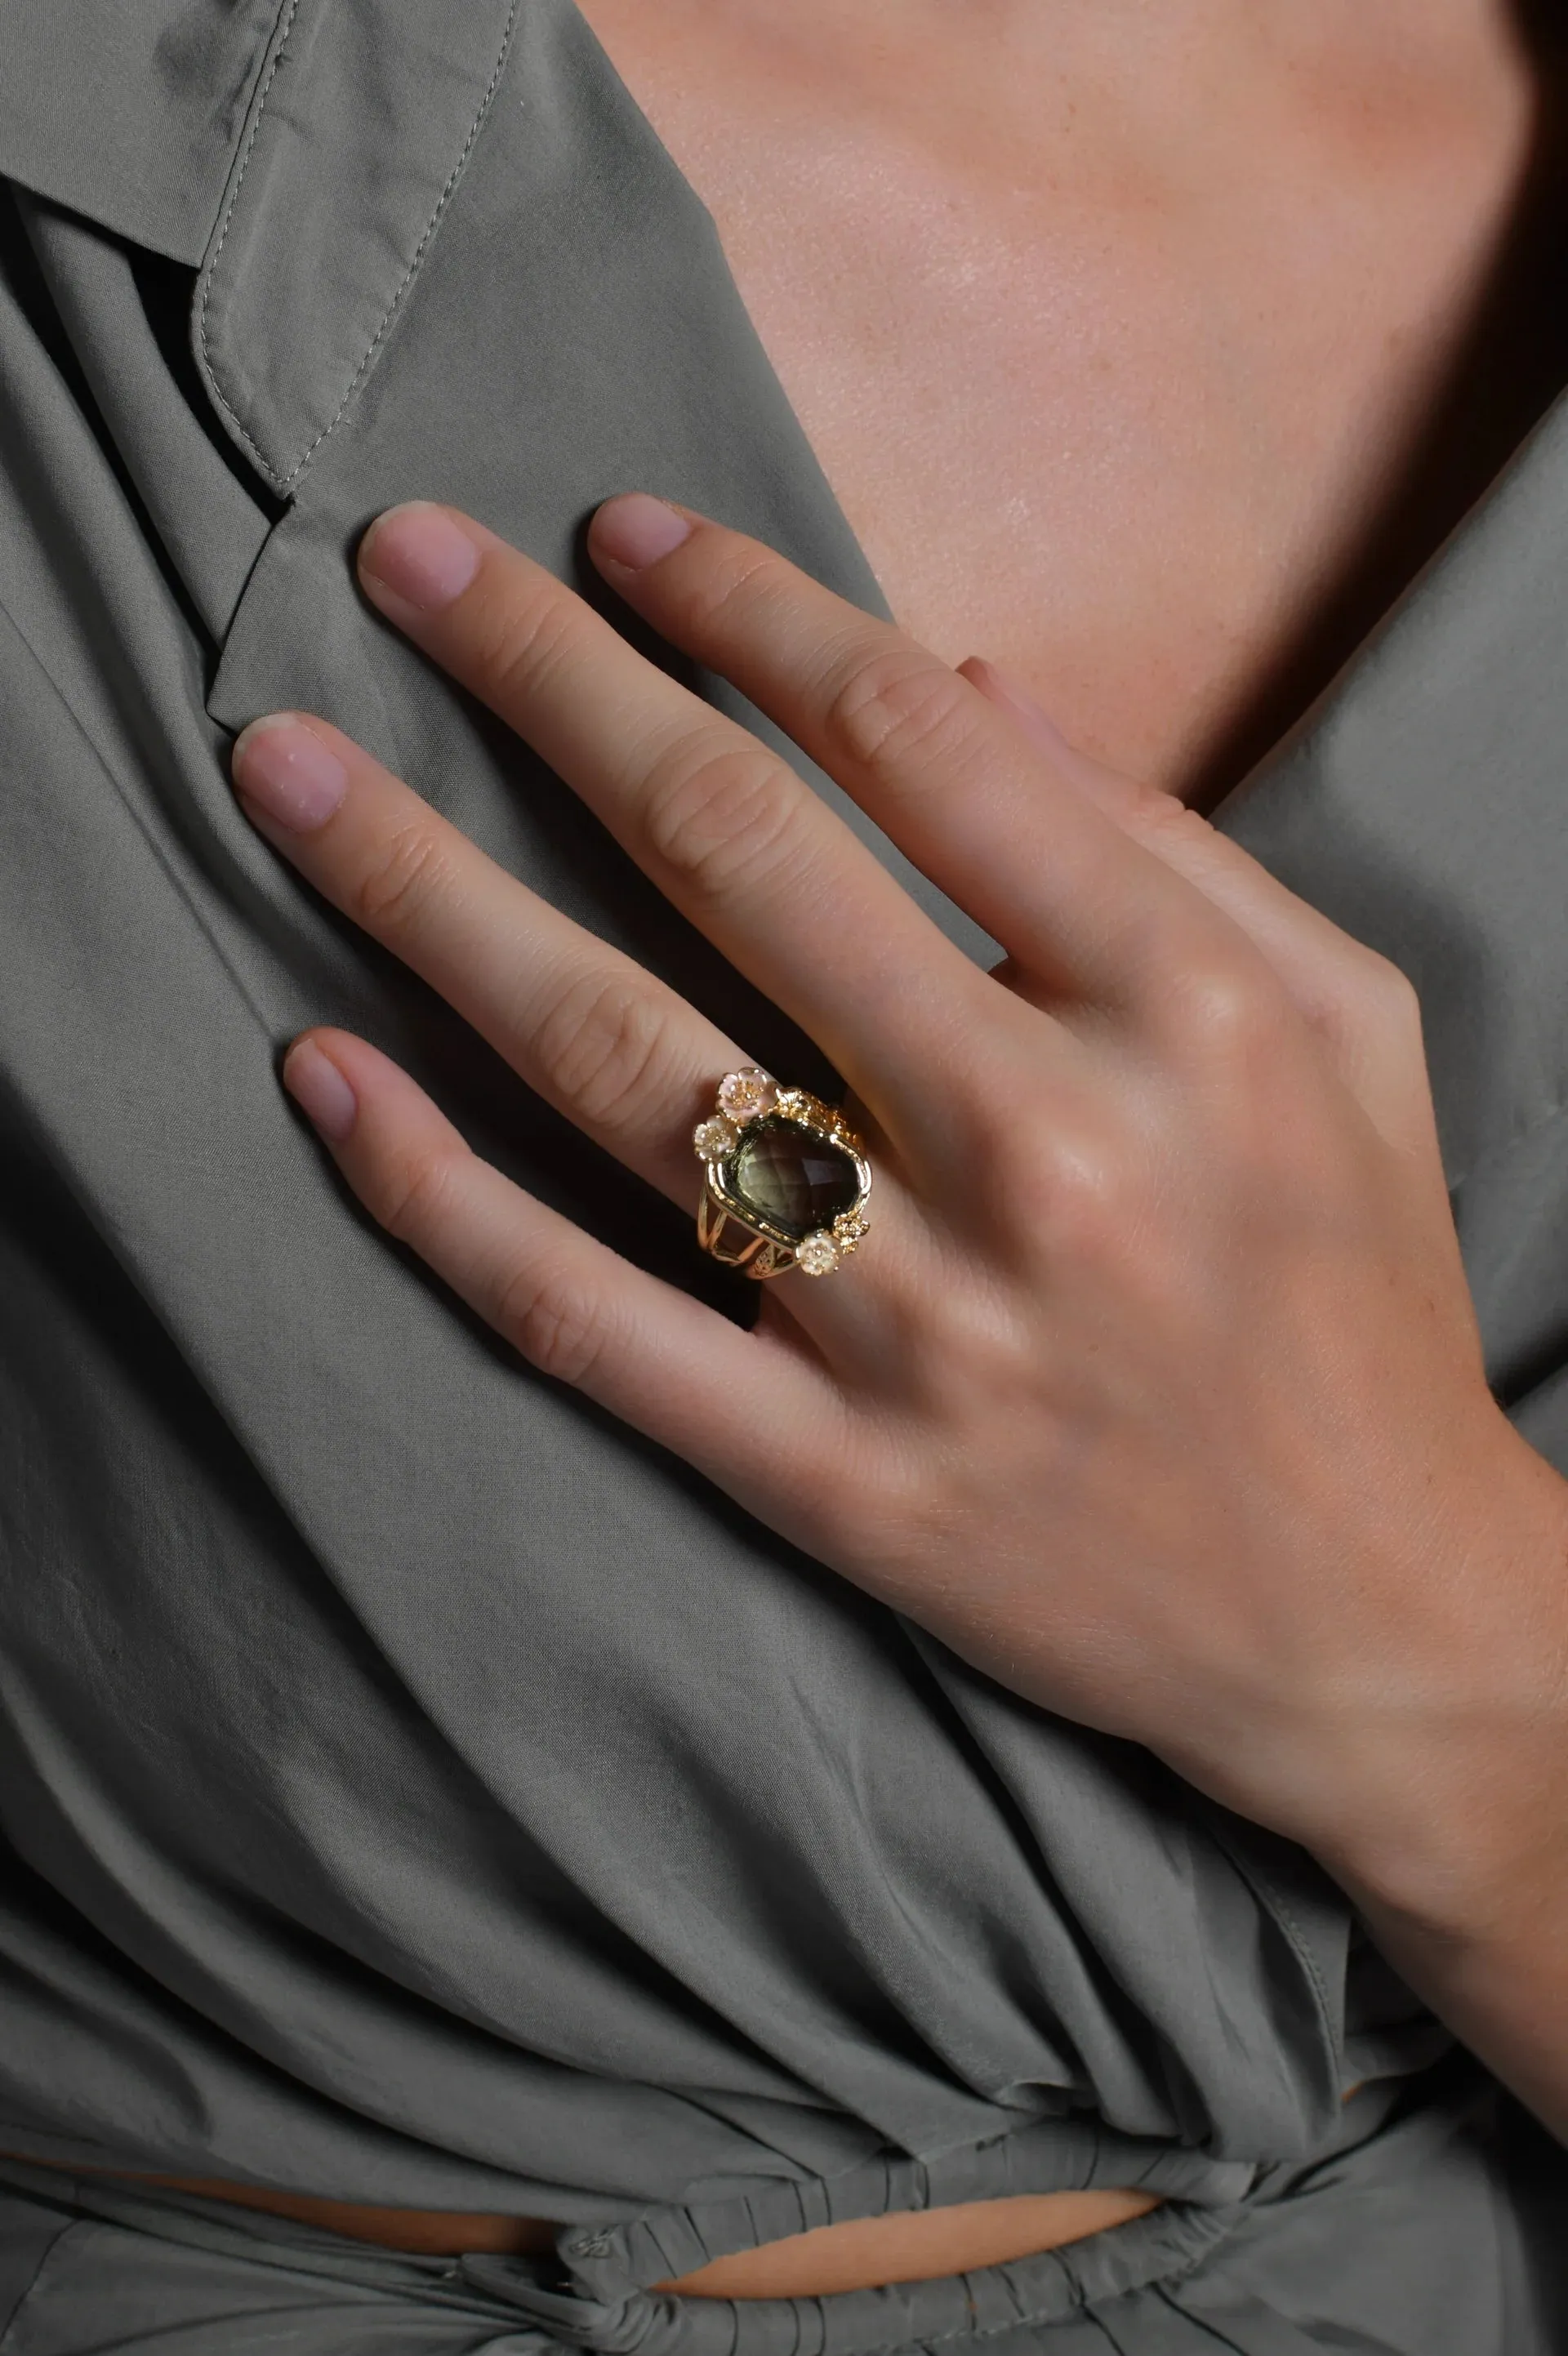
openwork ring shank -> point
(787, 1181)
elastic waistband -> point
(593, 2293)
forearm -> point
(1461, 1873)
(1502, 1990)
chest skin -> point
(1149, 350)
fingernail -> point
(419, 556)
(320, 1091)
(635, 531)
(287, 773)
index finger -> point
(936, 763)
(721, 824)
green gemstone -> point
(798, 1181)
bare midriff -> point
(861, 2253)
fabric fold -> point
(129, 110)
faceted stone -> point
(798, 1181)
(818, 1255)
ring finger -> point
(618, 1052)
(625, 1058)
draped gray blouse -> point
(414, 1786)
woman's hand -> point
(1155, 1390)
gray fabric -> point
(131, 113)
(1422, 807)
(415, 1788)
(1352, 2253)
(337, 189)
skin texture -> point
(1162, 1292)
(1149, 349)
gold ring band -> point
(787, 1181)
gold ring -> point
(787, 1179)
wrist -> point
(1456, 1828)
(1470, 1906)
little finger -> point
(569, 1306)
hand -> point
(1155, 1390)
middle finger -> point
(721, 824)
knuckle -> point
(1164, 822)
(1060, 1179)
(1222, 1014)
(398, 882)
(1083, 1197)
(1364, 1003)
(525, 642)
(999, 1136)
(896, 710)
(603, 1047)
(720, 818)
(552, 1322)
(1007, 1123)
(953, 1347)
(411, 1196)
(1388, 994)
(729, 592)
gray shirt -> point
(414, 1786)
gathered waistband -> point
(593, 2293)
(1418, 2183)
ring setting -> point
(787, 1181)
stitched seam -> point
(284, 481)
(290, 13)
(434, 223)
